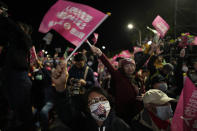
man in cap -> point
(81, 72)
(81, 77)
(157, 112)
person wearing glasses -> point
(99, 114)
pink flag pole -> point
(87, 37)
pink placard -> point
(74, 21)
(185, 116)
(161, 26)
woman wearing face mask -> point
(99, 115)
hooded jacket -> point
(77, 120)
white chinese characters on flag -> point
(161, 26)
(74, 21)
(185, 116)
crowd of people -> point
(89, 92)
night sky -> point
(113, 33)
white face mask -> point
(164, 112)
(100, 110)
(163, 87)
(184, 68)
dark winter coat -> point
(125, 95)
(80, 121)
(77, 73)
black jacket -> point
(77, 73)
(80, 121)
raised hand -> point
(60, 77)
(96, 50)
(158, 51)
(153, 48)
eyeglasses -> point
(96, 100)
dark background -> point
(113, 33)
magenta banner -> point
(74, 21)
(161, 26)
(185, 117)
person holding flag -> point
(127, 93)
(99, 114)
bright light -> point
(150, 42)
(103, 47)
(130, 26)
(42, 50)
(46, 52)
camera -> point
(74, 86)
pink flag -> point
(33, 55)
(95, 38)
(161, 26)
(74, 21)
(185, 117)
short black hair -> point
(157, 79)
(168, 67)
(80, 57)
